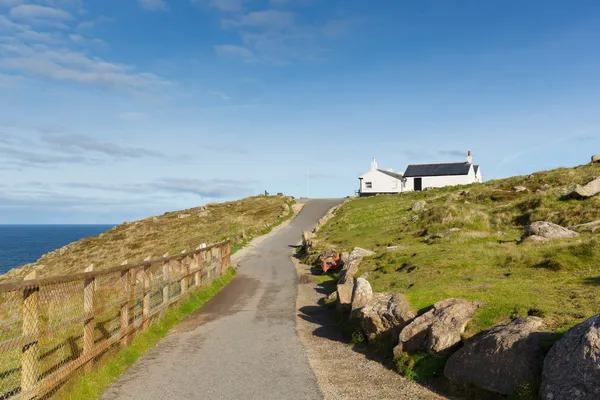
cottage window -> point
(395, 184)
(368, 185)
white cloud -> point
(223, 5)
(230, 50)
(35, 12)
(10, 3)
(153, 5)
(270, 19)
(219, 94)
(134, 116)
(92, 23)
(64, 64)
(85, 41)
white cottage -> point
(423, 176)
(378, 181)
(419, 177)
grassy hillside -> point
(170, 233)
(558, 280)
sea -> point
(23, 244)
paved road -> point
(243, 343)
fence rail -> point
(52, 328)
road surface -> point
(243, 343)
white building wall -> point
(442, 181)
(380, 183)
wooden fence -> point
(55, 327)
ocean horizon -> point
(22, 244)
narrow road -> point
(243, 343)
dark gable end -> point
(476, 168)
(437, 169)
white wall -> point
(441, 181)
(479, 176)
(380, 183)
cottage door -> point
(418, 184)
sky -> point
(116, 110)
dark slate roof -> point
(437, 169)
(476, 167)
(392, 174)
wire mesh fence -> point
(54, 328)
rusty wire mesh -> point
(50, 328)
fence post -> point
(30, 350)
(146, 297)
(125, 292)
(185, 271)
(89, 289)
(228, 254)
(166, 282)
(198, 277)
(223, 255)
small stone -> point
(518, 189)
(419, 206)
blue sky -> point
(115, 110)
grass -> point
(91, 384)
(420, 367)
(170, 233)
(557, 280)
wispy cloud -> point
(134, 116)
(277, 37)
(64, 64)
(75, 142)
(154, 5)
(85, 41)
(222, 5)
(453, 153)
(41, 15)
(230, 50)
(221, 95)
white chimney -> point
(373, 164)
(469, 158)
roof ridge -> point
(444, 163)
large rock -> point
(519, 189)
(307, 241)
(502, 359)
(362, 293)
(589, 190)
(572, 368)
(549, 230)
(419, 205)
(344, 296)
(439, 330)
(351, 264)
(587, 227)
(596, 158)
(385, 314)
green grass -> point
(420, 367)
(91, 384)
(240, 221)
(557, 280)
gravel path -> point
(342, 373)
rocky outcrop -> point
(344, 296)
(419, 205)
(502, 359)
(596, 158)
(439, 330)
(545, 187)
(307, 240)
(518, 189)
(442, 234)
(587, 227)
(572, 368)
(362, 293)
(535, 239)
(549, 230)
(385, 314)
(584, 192)
(351, 265)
